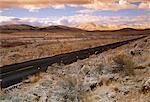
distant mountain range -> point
(60, 28)
(24, 27)
(93, 27)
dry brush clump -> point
(2, 94)
(33, 79)
(91, 75)
(124, 63)
(92, 71)
(75, 87)
(146, 85)
(67, 89)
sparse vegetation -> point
(43, 49)
(124, 63)
(33, 78)
(146, 85)
(89, 80)
(68, 89)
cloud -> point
(80, 18)
(117, 21)
(86, 11)
(31, 21)
(145, 5)
(34, 5)
(109, 22)
(121, 4)
(38, 4)
(138, 0)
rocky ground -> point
(117, 75)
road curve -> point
(15, 73)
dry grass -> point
(146, 86)
(33, 79)
(74, 87)
(26, 52)
(68, 89)
(134, 96)
(124, 63)
(15, 43)
(2, 94)
(92, 79)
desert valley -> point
(74, 50)
(120, 74)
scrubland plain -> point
(117, 75)
(21, 43)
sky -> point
(132, 13)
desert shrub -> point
(33, 79)
(68, 89)
(92, 71)
(124, 63)
(2, 95)
(97, 70)
(146, 85)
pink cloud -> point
(33, 5)
(37, 4)
(145, 5)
